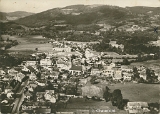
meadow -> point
(30, 43)
(133, 92)
(138, 92)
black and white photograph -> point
(79, 56)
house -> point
(2, 73)
(142, 74)
(27, 95)
(32, 85)
(137, 107)
(63, 63)
(76, 61)
(49, 96)
(114, 44)
(28, 107)
(112, 65)
(8, 89)
(19, 77)
(62, 49)
(46, 62)
(117, 75)
(127, 76)
(78, 32)
(30, 89)
(88, 53)
(76, 13)
(108, 73)
(129, 70)
(12, 72)
(54, 74)
(76, 70)
(40, 96)
(96, 72)
(31, 63)
(40, 83)
(25, 69)
(32, 76)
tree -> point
(135, 74)
(107, 94)
(36, 49)
(126, 62)
(117, 99)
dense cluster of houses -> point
(40, 84)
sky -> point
(36, 6)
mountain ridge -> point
(85, 14)
(81, 14)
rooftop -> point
(76, 68)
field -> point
(133, 92)
(81, 104)
(29, 43)
(139, 92)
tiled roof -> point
(76, 68)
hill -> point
(14, 15)
(86, 14)
(144, 10)
(76, 14)
(3, 16)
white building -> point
(65, 49)
(63, 63)
(137, 107)
(96, 72)
(108, 73)
(114, 44)
(32, 76)
(2, 73)
(117, 75)
(46, 62)
(88, 53)
(76, 70)
(127, 76)
(31, 63)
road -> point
(20, 99)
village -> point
(49, 81)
